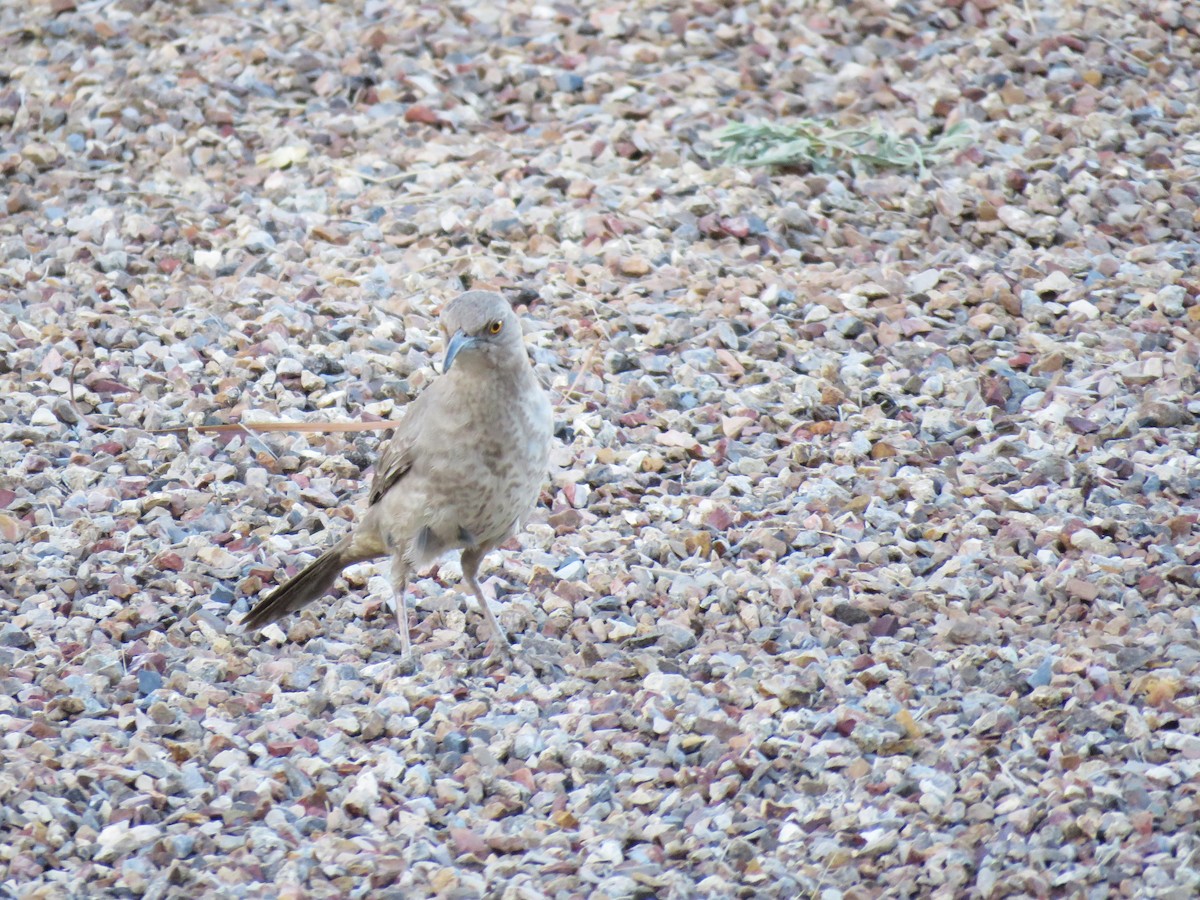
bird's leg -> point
(470, 569)
(408, 662)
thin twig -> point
(445, 262)
(372, 179)
(584, 366)
(274, 427)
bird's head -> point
(480, 328)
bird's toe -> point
(500, 654)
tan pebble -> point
(634, 266)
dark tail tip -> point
(313, 581)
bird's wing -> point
(393, 462)
(401, 451)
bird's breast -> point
(493, 464)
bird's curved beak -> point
(458, 342)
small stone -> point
(364, 796)
(674, 639)
(849, 614)
(634, 266)
(1055, 283)
(19, 201)
(964, 631)
(1087, 540)
(790, 690)
(114, 261)
(1041, 676)
(422, 114)
(161, 713)
(1015, 219)
(1082, 590)
(1084, 308)
(1170, 300)
(1161, 414)
(259, 241)
(924, 281)
(181, 846)
(149, 681)
(207, 259)
(13, 636)
(884, 626)
(65, 411)
(41, 155)
(119, 839)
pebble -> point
(258, 241)
(114, 261)
(634, 266)
(1084, 308)
(149, 681)
(1057, 282)
(43, 418)
(13, 636)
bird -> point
(462, 471)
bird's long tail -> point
(312, 582)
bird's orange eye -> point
(495, 327)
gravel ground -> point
(868, 562)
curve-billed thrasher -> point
(462, 470)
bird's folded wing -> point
(398, 454)
(395, 459)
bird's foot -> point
(542, 656)
(501, 653)
(406, 664)
(384, 642)
(537, 667)
(522, 663)
(500, 656)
